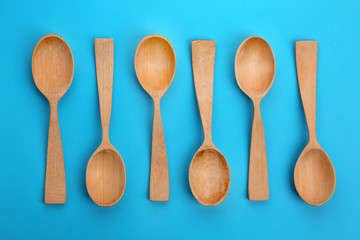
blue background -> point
(25, 117)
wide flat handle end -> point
(306, 44)
(203, 62)
(306, 66)
(104, 58)
(203, 43)
(103, 42)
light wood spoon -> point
(155, 64)
(255, 72)
(209, 173)
(105, 173)
(53, 70)
(314, 173)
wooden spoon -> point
(255, 71)
(53, 70)
(155, 64)
(314, 173)
(209, 173)
(105, 173)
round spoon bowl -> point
(155, 63)
(52, 66)
(209, 177)
(255, 66)
(314, 176)
(105, 177)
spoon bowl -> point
(155, 64)
(209, 176)
(255, 66)
(314, 176)
(105, 176)
(52, 66)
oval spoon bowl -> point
(155, 63)
(314, 176)
(209, 176)
(255, 66)
(106, 177)
(52, 66)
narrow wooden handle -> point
(258, 186)
(55, 185)
(306, 64)
(159, 173)
(104, 56)
(203, 61)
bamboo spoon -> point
(105, 173)
(314, 173)
(209, 173)
(255, 71)
(53, 70)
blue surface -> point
(25, 115)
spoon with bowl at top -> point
(255, 71)
(209, 173)
(155, 64)
(314, 174)
(53, 70)
(105, 173)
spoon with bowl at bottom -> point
(105, 173)
(209, 173)
(314, 174)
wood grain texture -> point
(53, 70)
(255, 71)
(105, 174)
(209, 173)
(314, 174)
(155, 64)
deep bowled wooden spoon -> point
(53, 70)
(209, 173)
(255, 72)
(314, 173)
(105, 173)
(155, 64)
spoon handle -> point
(55, 185)
(258, 185)
(203, 61)
(104, 57)
(306, 63)
(159, 172)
